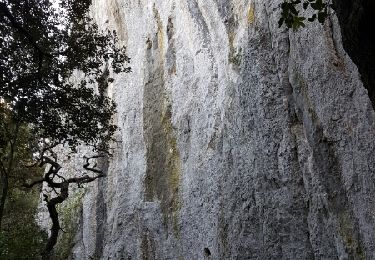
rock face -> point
(238, 140)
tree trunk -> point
(6, 171)
(51, 206)
(4, 194)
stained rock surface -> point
(237, 140)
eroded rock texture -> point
(238, 140)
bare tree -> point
(60, 185)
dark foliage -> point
(41, 47)
(290, 12)
(20, 237)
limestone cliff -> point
(238, 140)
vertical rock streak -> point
(162, 156)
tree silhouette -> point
(44, 47)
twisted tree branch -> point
(62, 195)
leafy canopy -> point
(42, 46)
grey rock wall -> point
(237, 140)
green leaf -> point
(298, 22)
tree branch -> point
(84, 179)
(87, 164)
(3, 170)
(4, 9)
(52, 172)
(54, 215)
